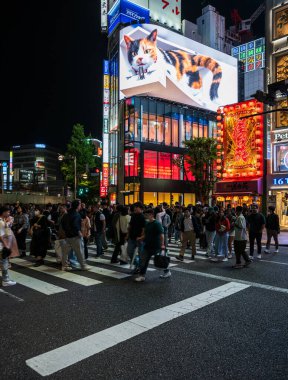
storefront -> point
(239, 193)
(153, 131)
(278, 196)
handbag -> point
(6, 252)
(124, 254)
(161, 260)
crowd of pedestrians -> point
(137, 233)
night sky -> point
(51, 66)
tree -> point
(199, 159)
(81, 147)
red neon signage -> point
(240, 141)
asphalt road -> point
(208, 321)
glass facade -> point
(153, 132)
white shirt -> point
(188, 224)
(2, 231)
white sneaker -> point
(276, 251)
(230, 256)
(140, 279)
(225, 259)
(267, 251)
(8, 283)
(259, 256)
(165, 274)
(86, 267)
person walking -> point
(273, 229)
(153, 244)
(99, 228)
(189, 229)
(40, 237)
(221, 240)
(209, 222)
(20, 228)
(240, 240)
(120, 225)
(5, 246)
(135, 232)
(230, 214)
(71, 224)
(256, 225)
(85, 230)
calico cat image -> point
(143, 56)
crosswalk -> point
(26, 274)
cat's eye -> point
(147, 51)
(133, 54)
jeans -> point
(72, 258)
(177, 235)
(221, 244)
(99, 242)
(132, 245)
(270, 234)
(210, 237)
(252, 237)
(5, 266)
(239, 248)
(76, 243)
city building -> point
(36, 168)
(6, 171)
(149, 109)
(277, 122)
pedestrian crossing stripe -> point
(35, 284)
(100, 271)
(51, 271)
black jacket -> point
(195, 225)
(272, 222)
(71, 224)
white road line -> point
(35, 284)
(272, 262)
(107, 262)
(11, 295)
(72, 353)
(81, 280)
(228, 279)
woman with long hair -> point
(40, 237)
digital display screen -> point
(252, 54)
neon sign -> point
(240, 141)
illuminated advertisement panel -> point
(240, 141)
(252, 54)
(280, 22)
(157, 62)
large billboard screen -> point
(157, 62)
(251, 54)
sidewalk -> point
(282, 237)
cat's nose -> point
(139, 60)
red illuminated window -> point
(188, 176)
(131, 162)
(164, 165)
(150, 164)
(175, 167)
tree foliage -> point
(81, 147)
(200, 158)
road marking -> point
(35, 284)
(81, 280)
(272, 262)
(107, 262)
(228, 279)
(11, 296)
(101, 271)
(72, 353)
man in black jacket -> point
(273, 229)
(256, 225)
(71, 225)
(190, 229)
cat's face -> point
(142, 52)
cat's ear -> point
(152, 36)
(128, 41)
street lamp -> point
(74, 158)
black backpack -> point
(66, 225)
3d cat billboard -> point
(157, 62)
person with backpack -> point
(164, 219)
(177, 217)
(71, 224)
(189, 229)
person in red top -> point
(221, 240)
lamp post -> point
(74, 158)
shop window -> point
(281, 162)
(150, 198)
(145, 128)
(164, 197)
(160, 130)
(176, 197)
(152, 129)
(150, 164)
(205, 130)
(195, 128)
(164, 165)
(187, 176)
(167, 127)
(188, 129)
(189, 199)
(175, 167)
(131, 162)
(175, 132)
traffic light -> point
(82, 190)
